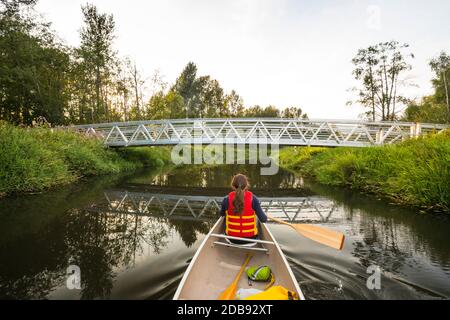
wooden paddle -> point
(230, 292)
(324, 236)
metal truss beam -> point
(283, 132)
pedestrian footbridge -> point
(282, 132)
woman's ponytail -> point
(240, 185)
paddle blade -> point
(230, 292)
(324, 236)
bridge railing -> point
(327, 133)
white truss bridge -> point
(198, 208)
(282, 132)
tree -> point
(137, 86)
(427, 110)
(12, 7)
(33, 67)
(235, 104)
(441, 66)
(258, 112)
(187, 86)
(203, 97)
(293, 113)
(211, 102)
(97, 58)
(124, 85)
(175, 104)
(379, 68)
(165, 106)
(434, 108)
(157, 108)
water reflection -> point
(411, 248)
(217, 180)
(133, 237)
(37, 244)
(200, 208)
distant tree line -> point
(42, 78)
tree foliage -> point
(434, 108)
(33, 68)
(41, 78)
(379, 69)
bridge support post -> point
(416, 130)
(379, 137)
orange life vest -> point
(241, 225)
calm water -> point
(133, 238)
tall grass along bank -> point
(34, 159)
(415, 172)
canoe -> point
(217, 262)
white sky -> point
(279, 52)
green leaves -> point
(434, 108)
(33, 74)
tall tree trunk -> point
(136, 90)
(382, 99)
(394, 101)
(391, 97)
(372, 89)
(386, 95)
(125, 111)
(105, 103)
(97, 91)
(446, 95)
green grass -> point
(415, 172)
(32, 160)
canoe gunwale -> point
(283, 257)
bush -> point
(25, 164)
(415, 172)
(35, 159)
(154, 157)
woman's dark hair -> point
(240, 185)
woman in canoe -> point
(242, 210)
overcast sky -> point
(280, 52)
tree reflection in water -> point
(220, 177)
(40, 241)
(102, 242)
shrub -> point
(35, 159)
(415, 172)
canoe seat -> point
(250, 244)
(257, 241)
(240, 246)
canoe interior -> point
(215, 267)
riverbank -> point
(415, 172)
(35, 159)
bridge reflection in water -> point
(207, 208)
